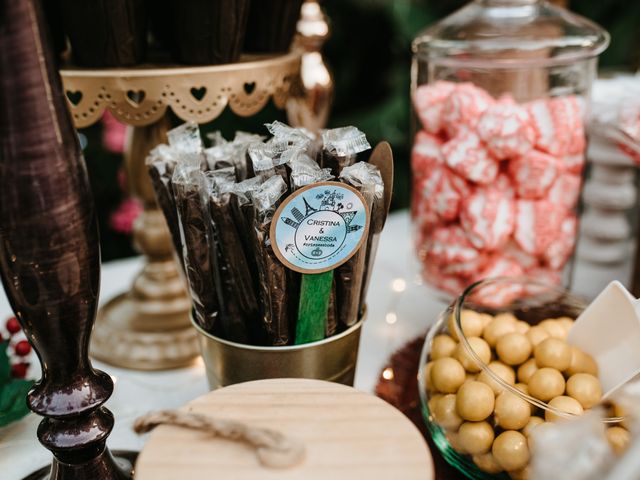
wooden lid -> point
(347, 434)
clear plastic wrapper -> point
(236, 280)
(350, 275)
(365, 175)
(341, 147)
(199, 247)
(161, 164)
(275, 279)
(304, 170)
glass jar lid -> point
(511, 32)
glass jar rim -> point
(458, 306)
(420, 49)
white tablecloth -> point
(398, 311)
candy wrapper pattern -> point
(495, 184)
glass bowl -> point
(531, 302)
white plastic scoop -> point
(609, 330)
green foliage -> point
(13, 392)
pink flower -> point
(122, 218)
(113, 134)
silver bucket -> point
(332, 359)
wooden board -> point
(348, 435)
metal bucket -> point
(332, 359)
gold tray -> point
(141, 96)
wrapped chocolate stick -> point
(273, 275)
(200, 259)
(341, 147)
(161, 164)
(366, 176)
(267, 160)
(188, 146)
(331, 327)
(349, 276)
(304, 170)
(237, 282)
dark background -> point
(369, 54)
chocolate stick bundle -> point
(224, 202)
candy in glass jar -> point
(500, 92)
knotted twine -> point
(273, 449)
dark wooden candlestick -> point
(49, 250)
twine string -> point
(273, 449)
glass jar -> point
(474, 319)
(500, 92)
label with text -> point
(319, 227)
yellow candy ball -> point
(447, 374)
(427, 377)
(618, 438)
(511, 450)
(487, 463)
(531, 425)
(553, 328)
(445, 414)
(480, 347)
(553, 353)
(537, 334)
(513, 348)
(585, 388)
(486, 319)
(442, 346)
(564, 404)
(433, 399)
(476, 437)
(505, 372)
(526, 370)
(475, 401)
(546, 383)
(454, 440)
(472, 324)
(522, 327)
(511, 412)
(522, 474)
(566, 323)
(581, 362)
(501, 325)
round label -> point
(319, 227)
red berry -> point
(13, 326)
(19, 370)
(22, 348)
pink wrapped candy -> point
(466, 156)
(438, 194)
(533, 173)
(463, 107)
(573, 163)
(451, 284)
(561, 248)
(448, 245)
(496, 185)
(487, 218)
(506, 129)
(426, 154)
(428, 101)
(565, 191)
(522, 258)
(537, 225)
(558, 125)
